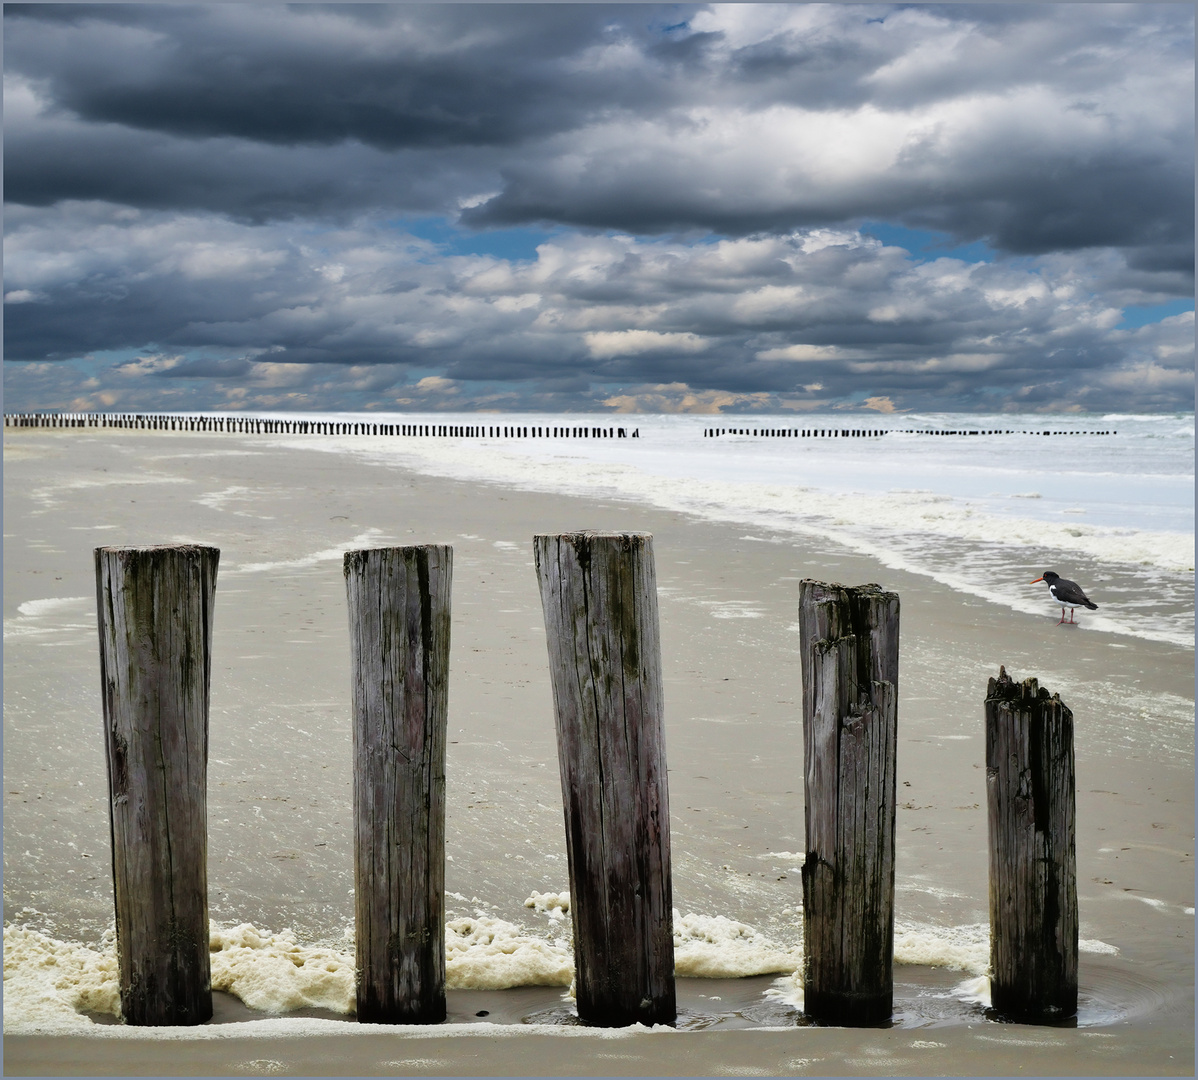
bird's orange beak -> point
(1037, 580)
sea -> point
(980, 503)
(983, 504)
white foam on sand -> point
(716, 947)
(961, 948)
(974, 991)
(45, 616)
(51, 604)
(365, 539)
(705, 946)
(275, 973)
(958, 948)
(482, 953)
(554, 905)
(50, 986)
(787, 990)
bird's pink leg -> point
(1062, 619)
(1071, 611)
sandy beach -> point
(280, 841)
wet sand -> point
(279, 775)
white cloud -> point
(593, 317)
(680, 398)
(802, 352)
(603, 344)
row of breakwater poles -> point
(256, 425)
(599, 597)
(873, 433)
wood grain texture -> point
(599, 593)
(399, 608)
(1033, 858)
(848, 641)
(154, 609)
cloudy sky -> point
(595, 207)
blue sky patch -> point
(1142, 315)
(516, 244)
(926, 244)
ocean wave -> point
(798, 507)
(963, 543)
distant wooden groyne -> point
(873, 433)
(256, 425)
(798, 433)
(999, 431)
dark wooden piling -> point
(399, 604)
(599, 593)
(1033, 857)
(848, 640)
(155, 621)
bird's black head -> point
(1050, 576)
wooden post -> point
(599, 594)
(1033, 858)
(155, 621)
(848, 640)
(399, 648)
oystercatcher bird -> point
(1066, 593)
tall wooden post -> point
(848, 640)
(155, 622)
(399, 649)
(599, 594)
(1033, 857)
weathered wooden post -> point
(848, 640)
(155, 622)
(399, 649)
(1033, 857)
(599, 594)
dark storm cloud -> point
(1039, 127)
(389, 77)
(212, 192)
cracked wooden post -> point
(848, 640)
(1033, 857)
(599, 593)
(399, 649)
(154, 607)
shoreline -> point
(734, 741)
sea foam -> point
(61, 986)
